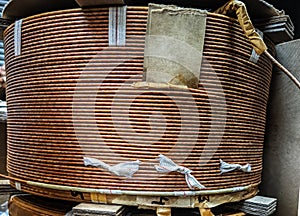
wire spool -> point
(54, 121)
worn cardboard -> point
(83, 209)
(174, 45)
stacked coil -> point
(25, 205)
(70, 95)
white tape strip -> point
(254, 56)
(226, 167)
(127, 169)
(18, 186)
(18, 37)
(121, 32)
(112, 28)
(117, 26)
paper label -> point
(174, 45)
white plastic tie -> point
(226, 167)
(166, 165)
(127, 169)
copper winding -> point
(58, 46)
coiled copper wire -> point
(57, 47)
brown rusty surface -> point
(58, 47)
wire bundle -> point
(71, 96)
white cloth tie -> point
(127, 169)
(226, 167)
(166, 165)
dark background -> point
(292, 9)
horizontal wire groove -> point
(71, 96)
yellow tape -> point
(98, 198)
(163, 211)
(239, 8)
(205, 212)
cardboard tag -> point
(174, 45)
